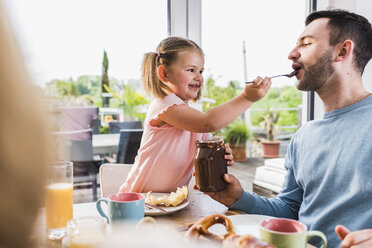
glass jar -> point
(210, 165)
(85, 232)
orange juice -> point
(86, 240)
(58, 205)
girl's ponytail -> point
(151, 81)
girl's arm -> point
(187, 118)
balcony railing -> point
(281, 129)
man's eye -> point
(306, 44)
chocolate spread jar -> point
(210, 165)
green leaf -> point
(237, 133)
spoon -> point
(282, 75)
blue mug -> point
(123, 207)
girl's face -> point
(184, 77)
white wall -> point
(339, 4)
(362, 7)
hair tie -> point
(158, 55)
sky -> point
(269, 34)
(63, 39)
(67, 38)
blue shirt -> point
(329, 179)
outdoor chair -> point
(116, 126)
(76, 146)
(79, 118)
(112, 176)
(129, 143)
(271, 175)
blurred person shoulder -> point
(23, 143)
(156, 237)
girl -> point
(173, 75)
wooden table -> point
(200, 206)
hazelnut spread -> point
(210, 165)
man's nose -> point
(294, 54)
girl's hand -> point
(228, 155)
(258, 89)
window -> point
(269, 29)
(63, 39)
(245, 39)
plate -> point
(170, 209)
(244, 224)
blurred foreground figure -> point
(155, 236)
(22, 145)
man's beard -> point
(316, 75)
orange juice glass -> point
(59, 199)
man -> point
(329, 161)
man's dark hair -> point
(344, 25)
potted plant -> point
(236, 136)
(131, 101)
(270, 145)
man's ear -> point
(163, 74)
(345, 50)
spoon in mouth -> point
(281, 75)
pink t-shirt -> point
(165, 159)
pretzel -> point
(200, 229)
(230, 239)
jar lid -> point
(210, 142)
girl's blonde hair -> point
(166, 53)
